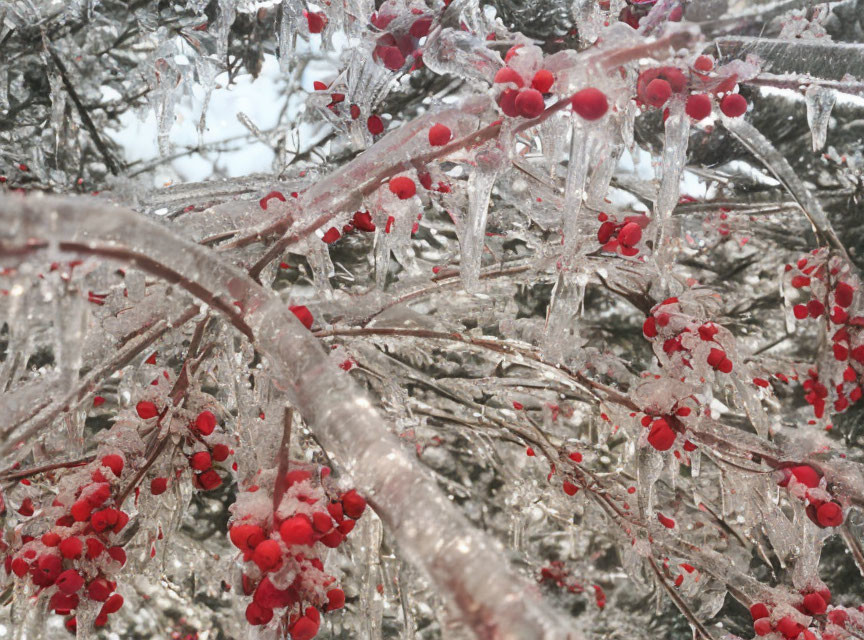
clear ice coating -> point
(564, 298)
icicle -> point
(473, 240)
(58, 105)
(562, 332)
(607, 161)
(227, 15)
(820, 102)
(206, 77)
(292, 14)
(318, 256)
(581, 142)
(673, 160)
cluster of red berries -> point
(667, 321)
(400, 38)
(205, 476)
(374, 123)
(830, 297)
(362, 221)
(635, 10)
(621, 237)
(558, 575)
(805, 483)
(76, 557)
(517, 99)
(663, 428)
(281, 567)
(525, 85)
(768, 620)
(656, 86)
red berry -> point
(200, 461)
(51, 539)
(630, 234)
(543, 80)
(112, 604)
(331, 235)
(221, 452)
(806, 475)
(146, 410)
(698, 106)
(657, 92)
(246, 536)
(71, 547)
(209, 480)
(346, 526)
(590, 103)
(20, 567)
(97, 494)
(708, 331)
(439, 135)
(814, 604)
(815, 308)
(529, 103)
(507, 74)
(81, 510)
(332, 539)
(158, 486)
(205, 423)
(316, 21)
(703, 63)
(103, 519)
(800, 311)
(63, 603)
(830, 515)
(661, 436)
(392, 58)
(99, 589)
(296, 475)
(363, 220)
(715, 357)
(268, 596)
(322, 522)
(118, 554)
(297, 530)
(353, 504)
(507, 102)
(113, 462)
(402, 187)
(122, 521)
(759, 610)
(762, 627)
(257, 615)
(303, 315)
(335, 511)
(569, 488)
(69, 581)
(267, 555)
(733, 105)
(304, 628)
(49, 567)
(788, 627)
(843, 294)
(649, 327)
(375, 125)
(420, 28)
(669, 523)
(335, 599)
(94, 548)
